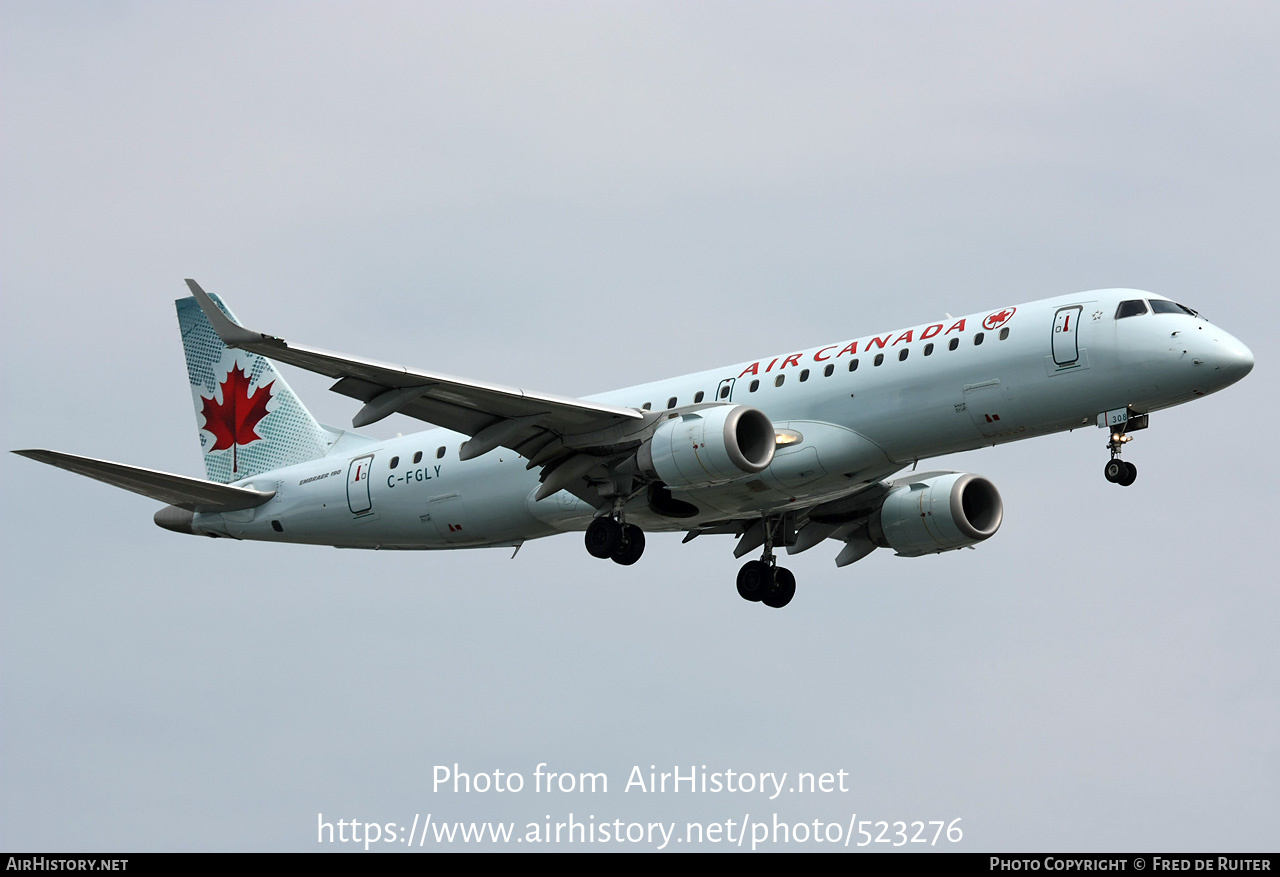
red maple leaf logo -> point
(233, 419)
(998, 318)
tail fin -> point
(250, 421)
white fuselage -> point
(951, 385)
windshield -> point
(1161, 306)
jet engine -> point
(708, 446)
(939, 511)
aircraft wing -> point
(535, 425)
(192, 494)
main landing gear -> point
(763, 581)
(1118, 471)
(608, 537)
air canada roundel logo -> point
(999, 318)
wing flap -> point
(192, 494)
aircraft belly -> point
(561, 512)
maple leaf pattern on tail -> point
(232, 420)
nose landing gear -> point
(1118, 471)
(1121, 422)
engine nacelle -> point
(709, 446)
(938, 513)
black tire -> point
(632, 545)
(1114, 470)
(1130, 475)
(784, 588)
(755, 579)
(603, 538)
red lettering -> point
(878, 342)
(905, 336)
(930, 331)
(818, 357)
(851, 348)
(770, 368)
(958, 326)
(793, 359)
(753, 369)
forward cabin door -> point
(1066, 329)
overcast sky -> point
(574, 197)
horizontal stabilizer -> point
(192, 494)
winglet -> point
(231, 333)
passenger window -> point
(1131, 308)
(955, 342)
(440, 453)
(671, 403)
(827, 372)
(697, 397)
(777, 382)
(879, 359)
(395, 461)
(755, 385)
(724, 392)
(804, 376)
(417, 457)
(1004, 333)
(977, 339)
(853, 365)
(903, 354)
(928, 349)
(647, 406)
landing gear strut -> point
(609, 538)
(1118, 471)
(763, 581)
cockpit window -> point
(1131, 308)
(1161, 306)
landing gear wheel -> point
(1115, 470)
(1129, 475)
(604, 538)
(631, 547)
(755, 579)
(784, 588)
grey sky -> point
(575, 197)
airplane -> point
(785, 452)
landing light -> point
(784, 437)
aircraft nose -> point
(1235, 360)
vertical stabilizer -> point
(250, 421)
